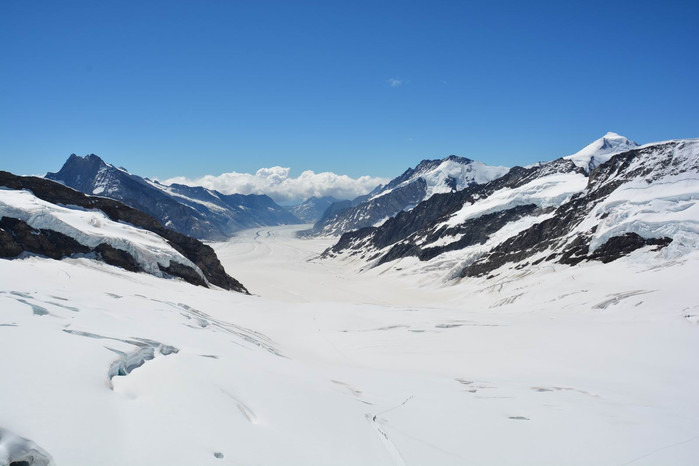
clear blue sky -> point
(169, 88)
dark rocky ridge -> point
(400, 194)
(194, 250)
(414, 232)
(551, 234)
(419, 222)
(16, 237)
(365, 214)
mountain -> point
(428, 178)
(39, 216)
(193, 211)
(553, 212)
(312, 209)
(601, 150)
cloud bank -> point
(280, 186)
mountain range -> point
(496, 309)
(404, 192)
(312, 209)
(45, 218)
(604, 202)
(456, 215)
(194, 211)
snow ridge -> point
(601, 150)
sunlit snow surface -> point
(594, 364)
(91, 228)
(601, 150)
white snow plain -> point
(331, 365)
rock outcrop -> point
(17, 236)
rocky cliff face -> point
(428, 178)
(198, 266)
(644, 197)
(193, 211)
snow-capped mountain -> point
(644, 197)
(601, 150)
(429, 177)
(40, 216)
(382, 367)
(312, 209)
(193, 211)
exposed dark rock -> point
(473, 231)
(371, 211)
(194, 250)
(555, 238)
(117, 257)
(8, 246)
(400, 194)
(551, 233)
(184, 272)
(421, 220)
(619, 246)
(17, 236)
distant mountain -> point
(193, 211)
(312, 209)
(600, 151)
(429, 177)
(550, 212)
(40, 216)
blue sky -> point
(188, 88)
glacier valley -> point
(326, 363)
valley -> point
(275, 264)
(545, 317)
(556, 365)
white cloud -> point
(280, 186)
(394, 82)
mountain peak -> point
(613, 135)
(601, 150)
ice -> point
(608, 346)
(549, 191)
(18, 451)
(91, 228)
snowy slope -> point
(442, 176)
(428, 178)
(42, 217)
(646, 197)
(92, 228)
(601, 150)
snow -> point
(592, 364)
(15, 450)
(475, 172)
(465, 174)
(91, 228)
(190, 200)
(601, 150)
(552, 190)
(335, 362)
